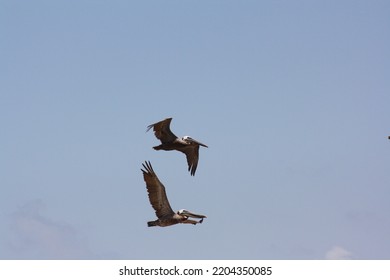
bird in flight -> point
(169, 142)
(159, 201)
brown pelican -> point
(158, 199)
(169, 141)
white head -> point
(190, 140)
(186, 138)
(186, 213)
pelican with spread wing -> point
(169, 142)
(159, 201)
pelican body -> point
(159, 201)
(169, 142)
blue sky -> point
(292, 98)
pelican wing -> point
(162, 131)
(156, 192)
(192, 154)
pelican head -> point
(188, 214)
(189, 140)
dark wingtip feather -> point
(192, 170)
(148, 167)
(149, 127)
(152, 125)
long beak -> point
(192, 215)
(199, 143)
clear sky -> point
(292, 98)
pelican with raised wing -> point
(159, 201)
(169, 142)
